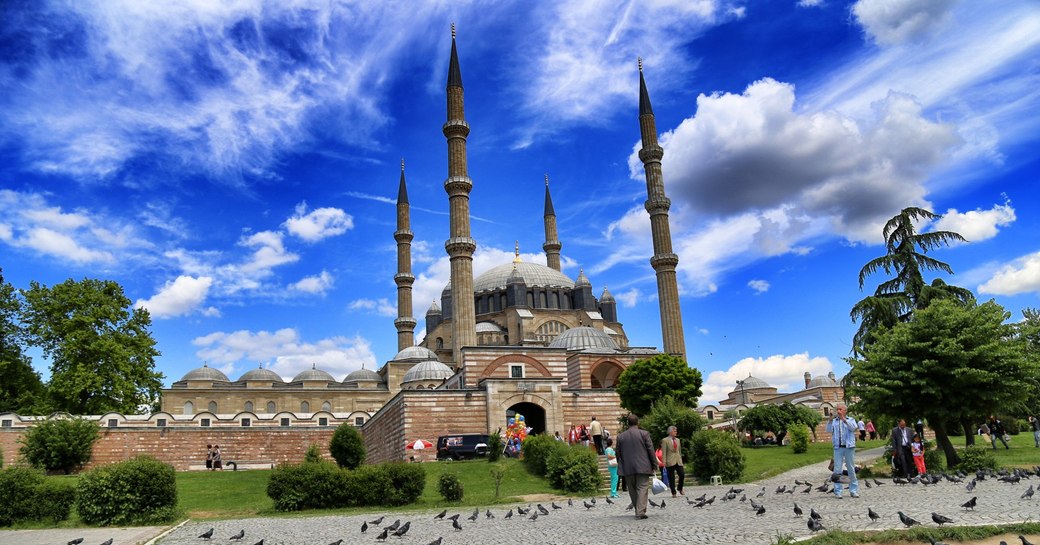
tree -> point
(101, 350)
(60, 443)
(21, 389)
(896, 299)
(649, 380)
(778, 419)
(669, 412)
(347, 447)
(950, 363)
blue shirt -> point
(843, 432)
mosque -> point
(520, 339)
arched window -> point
(213, 407)
(305, 407)
(555, 299)
(440, 343)
(542, 300)
(530, 299)
(249, 406)
(326, 406)
(503, 301)
(189, 407)
(270, 406)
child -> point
(917, 449)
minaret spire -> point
(552, 244)
(657, 204)
(460, 245)
(404, 279)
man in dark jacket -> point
(901, 437)
(997, 431)
(636, 462)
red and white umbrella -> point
(419, 444)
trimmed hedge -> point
(570, 468)
(537, 449)
(28, 496)
(322, 485)
(450, 487)
(138, 491)
(716, 453)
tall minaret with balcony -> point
(657, 204)
(552, 244)
(404, 279)
(460, 246)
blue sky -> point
(234, 165)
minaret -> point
(460, 246)
(657, 204)
(552, 242)
(404, 279)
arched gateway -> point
(533, 414)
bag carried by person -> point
(612, 462)
(658, 486)
(1007, 438)
(985, 437)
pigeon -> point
(382, 536)
(754, 505)
(400, 532)
(436, 541)
(709, 501)
(587, 505)
(554, 506)
(743, 498)
(570, 502)
(377, 521)
(76, 541)
(473, 517)
(970, 504)
(934, 542)
(797, 510)
(814, 525)
(261, 542)
(866, 482)
(455, 524)
(873, 516)
(759, 495)
(533, 517)
(593, 500)
(940, 519)
(107, 541)
(509, 515)
(907, 521)
(807, 489)
(455, 517)
(476, 512)
(441, 515)
(337, 542)
(878, 483)
(630, 507)
(489, 514)
(1028, 495)
(207, 534)
(761, 511)
(542, 509)
(652, 503)
(241, 534)
(814, 515)
(662, 504)
(971, 485)
(394, 526)
(364, 527)
(608, 500)
(1024, 540)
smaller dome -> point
(206, 373)
(582, 279)
(584, 338)
(313, 374)
(362, 375)
(434, 308)
(488, 327)
(607, 297)
(822, 382)
(750, 383)
(415, 353)
(427, 370)
(261, 374)
(446, 290)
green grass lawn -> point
(768, 461)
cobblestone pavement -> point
(722, 522)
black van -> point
(462, 446)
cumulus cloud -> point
(809, 3)
(284, 352)
(1020, 276)
(782, 372)
(319, 223)
(760, 286)
(178, 297)
(269, 252)
(628, 299)
(317, 284)
(977, 225)
(382, 306)
(891, 22)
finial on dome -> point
(516, 253)
(546, 179)
(402, 164)
(314, 365)
(453, 31)
(205, 364)
(638, 59)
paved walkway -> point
(721, 522)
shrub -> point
(799, 439)
(406, 483)
(537, 449)
(142, 490)
(54, 500)
(323, 485)
(495, 446)
(1, 458)
(573, 469)
(450, 487)
(313, 455)
(61, 444)
(934, 459)
(974, 458)
(669, 412)
(716, 453)
(347, 447)
(368, 484)
(306, 486)
(17, 487)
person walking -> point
(862, 427)
(672, 455)
(843, 436)
(611, 466)
(596, 430)
(997, 431)
(209, 457)
(636, 463)
(217, 460)
(901, 448)
(871, 430)
(1036, 430)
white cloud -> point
(1020, 276)
(760, 286)
(977, 225)
(317, 284)
(786, 373)
(890, 22)
(179, 297)
(319, 223)
(270, 252)
(382, 306)
(628, 299)
(284, 352)
(809, 3)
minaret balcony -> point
(460, 246)
(403, 235)
(404, 279)
(458, 185)
(664, 262)
(651, 154)
(659, 205)
(456, 128)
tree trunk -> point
(969, 433)
(941, 437)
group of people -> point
(908, 448)
(636, 461)
(593, 434)
(213, 458)
(993, 430)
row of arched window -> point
(305, 407)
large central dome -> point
(532, 273)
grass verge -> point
(920, 535)
(770, 461)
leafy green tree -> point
(347, 447)
(21, 389)
(778, 419)
(101, 350)
(950, 363)
(716, 453)
(646, 381)
(669, 412)
(60, 443)
(896, 299)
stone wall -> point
(579, 409)
(423, 414)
